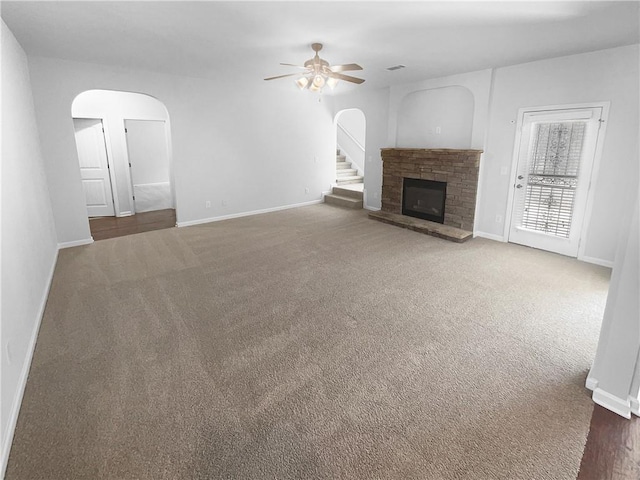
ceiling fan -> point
(317, 73)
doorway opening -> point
(555, 160)
(124, 153)
(348, 188)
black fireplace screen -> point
(424, 199)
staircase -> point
(349, 188)
(346, 175)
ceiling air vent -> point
(396, 67)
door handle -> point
(518, 186)
(520, 177)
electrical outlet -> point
(207, 204)
(438, 130)
(498, 218)
(306, 190)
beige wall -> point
(28, 238)
(242, 146)
(603, 76)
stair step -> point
(341, 165)
(341, 158)
(350, 179)
(346, 172)
(341, 201)
(347, 192)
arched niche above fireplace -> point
(436, 118)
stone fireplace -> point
(457, 173)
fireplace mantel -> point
(434, 151)
(458, 168)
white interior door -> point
(94, 167)
(553, 176)
(149, 164)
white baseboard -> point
(597, 261)
(370, 208)
(247, 214)
(24, 374)
(613, 403)
(490, 236)
(75, 243)
(591, 383)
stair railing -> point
(352, 149)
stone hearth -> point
(458, 168)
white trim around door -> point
(588, 177)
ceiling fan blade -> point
(345, 68)
(346, 78)
(292, 65)
(282, 76)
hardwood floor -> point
(613, 447)
(111, 227)
(612, 451)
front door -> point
(553, 176)
(94, 167)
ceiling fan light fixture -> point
(318, 81)
(302, 82)
(332, 82)
(318, 73)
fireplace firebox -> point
(424, 199)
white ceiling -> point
(213, 39)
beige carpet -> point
(310, 343)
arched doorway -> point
(350, 158)
(124, 152)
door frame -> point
(112, 174)
(593, 177)
(364, 150)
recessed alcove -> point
(436, 118)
